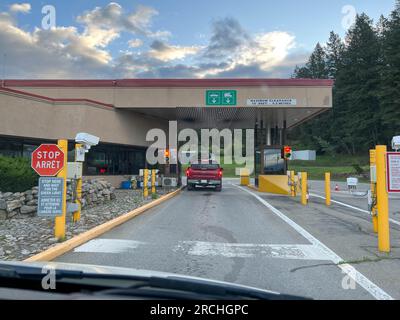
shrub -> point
(358, 168)
(16, 174)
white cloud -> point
(68, 52)
(135, 43)
(165, 52)
(20, 7)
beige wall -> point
(133, 97)
(24, 117)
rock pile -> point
(24, 204)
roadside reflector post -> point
(59, 223)
(382, 200)
(328, 188)
(76, 216)
(372, 161)
(292, 184)
(304, 188)
(145, 183)
(153, 181)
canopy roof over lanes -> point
(185, 99)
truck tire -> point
(218, 188)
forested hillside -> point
(366, 96)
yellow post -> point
(304, 188)
(292, 184)
(244, 177)
(328, 188)
(153, 181)
(59, 223)
(372, 160)
(145, 181)
(77, 214)
(382, 200)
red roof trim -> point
(56, 100)
(172, 83)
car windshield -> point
(201, 145)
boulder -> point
(3, 204)
(13, 204)
(27, 209)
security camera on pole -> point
(84, 141)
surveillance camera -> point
(396, 143)
(87, 139)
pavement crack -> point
(313, 266)
(367, 259)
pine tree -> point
(358, 82)
(390, 93)
(334, 53)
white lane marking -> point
(108, 246)
(249, 250)
(351, 207)
(348, 269)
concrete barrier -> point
(277, 184)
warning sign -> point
(393, 171)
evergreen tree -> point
(390, 93)
(358, 82)
(334, 53)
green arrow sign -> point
(221, 97)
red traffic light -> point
(287, 152)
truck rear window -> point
(204, 166)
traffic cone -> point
(336, 187)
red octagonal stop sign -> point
(47, 160)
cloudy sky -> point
(168, 38)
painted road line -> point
(351, 207)
(108, 246)
(346, 268)
(249, 250)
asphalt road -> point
(232, 236)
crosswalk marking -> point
(108, 246)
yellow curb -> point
(72, 243)
(252, 187)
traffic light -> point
(166, 156)
(286, 152)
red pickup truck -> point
(204, 175)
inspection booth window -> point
(114, 160)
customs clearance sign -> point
(271, 102)
(393, 171)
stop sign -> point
(47, 160)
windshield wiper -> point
(170, 287)
(193, 289)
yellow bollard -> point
(382, 200)
(153, 181)
(77, 214)
(292, 184)
(304, 188)
(244, 177)
(59, 223)
(372, 160)
(145, 181)
(328, 188)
